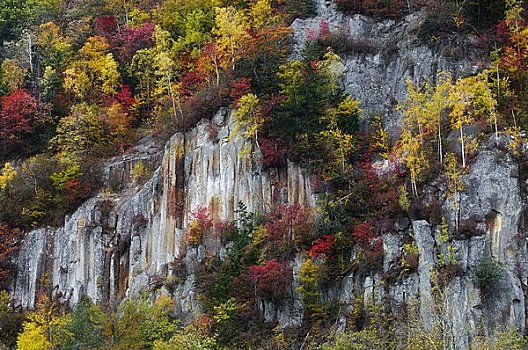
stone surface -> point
(376, 77)
(116, 245)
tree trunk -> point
(462, 148)
(440, 148)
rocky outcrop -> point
(118, 244)
(384, 55)
(489, 214)
(131, 237)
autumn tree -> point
(54, 48)
(231, 33)
(412, 152)
(12, 75)
(16, 117)
(272, 279)
(470, 99)
(435, 107)
(511, 62)
(94, 72)
(249, 118)
(80, 134)
(453, 174)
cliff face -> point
(384, 54)
(118, 244)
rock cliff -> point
(116, 244)
(120, 243)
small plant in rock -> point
(410, 257)
(139, 173)
(488, 276)
(200, 223)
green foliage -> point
(141, 325)
(13, 75)
(308, 280)
(506, 340)
(410, 257)
(80, 134)
(378, 334)
(187, 340)
(488, 276)
(85, 328)
(61, 179)
(15, 15)
(10, 322)
(315, 116)
(139, 173)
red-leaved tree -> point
(16, 115)
(272, 280)
(323, 247)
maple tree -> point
(199, 223)
(322, 247)
(272, 279)
(16, 117)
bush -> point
(488, 275)
(410, 257)
(199, 224)
(272, 280)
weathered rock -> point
(115, 246)
(376, 76)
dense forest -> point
(82, 81)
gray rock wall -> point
(376, 77)
(118, 244)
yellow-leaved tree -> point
(94, 72)
(7, 175)
(231, 33)
(471, 98)
(248, 117)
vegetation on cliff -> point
(82, 81)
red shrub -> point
(132, 39)
(239, 88)
(190, 83)
(273, 152)
(124, 97)
(18, 110)
(291, 223)
(372, 243)
(323, 247)
(106, 26)
(364, 232)
(198, 225)
(272, 280)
